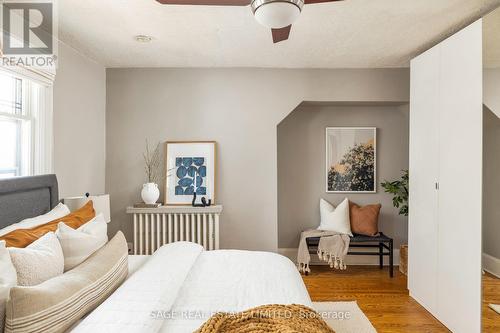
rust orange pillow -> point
(364, 219)
(24, 237)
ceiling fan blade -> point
(206, 2)
(281, 34)
(310, 2)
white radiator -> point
(154, 227)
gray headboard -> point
(24, 197)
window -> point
(24, 147)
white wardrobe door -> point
(423, 203)
(460, 181)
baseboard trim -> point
(491, 265)
(291, 253)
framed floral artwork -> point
(351, 159)
(190, 168)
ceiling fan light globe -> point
(276, 14)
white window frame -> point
(39, 157)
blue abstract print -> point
(191, 175)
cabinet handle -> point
(437, 186)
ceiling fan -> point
(275, 14)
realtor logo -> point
(28, 29)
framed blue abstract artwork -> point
(190, 168)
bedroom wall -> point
(491, 88)
(240, 109)
(79, 123)
(301, 165)
(491, 165)
(491, 185)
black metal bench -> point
(380, 242)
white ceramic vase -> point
(150, 193)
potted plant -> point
(399, 191)
(150, 192)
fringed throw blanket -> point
(268, 319)
(332, 248)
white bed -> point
(175, 290)
(181, 286)
(135, 262)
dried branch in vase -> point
(152, 160)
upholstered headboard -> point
(24, 197)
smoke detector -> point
(143, 38)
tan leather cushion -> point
(364, 220)
(56, 304)
(24, 237)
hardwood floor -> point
(491, 294)
(386, 301)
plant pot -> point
(403, 259)
(150, 193)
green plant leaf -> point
(399, 190)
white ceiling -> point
(347, 34)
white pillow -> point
(7, 271)
(335, 219)
(77, 245)
(41, 260)
(57, 212)
(8, 279)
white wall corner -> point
(291, 253)
(491, 265)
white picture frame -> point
(345, 145)
(201, 156)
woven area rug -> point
(344, 317)
(495, 307)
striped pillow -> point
(56, 304)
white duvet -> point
(181, 286)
